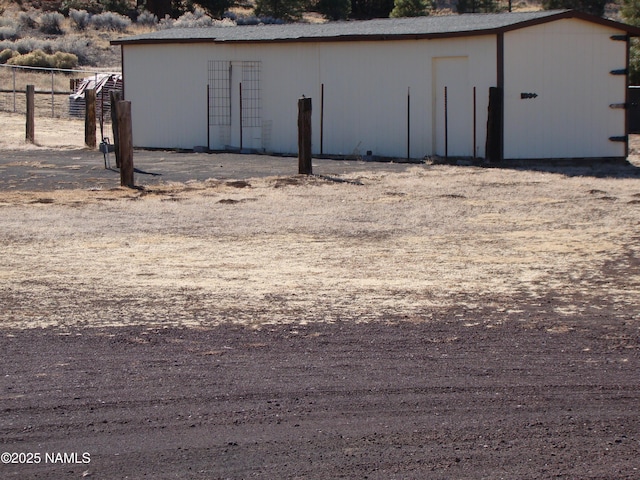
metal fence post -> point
(53, 96)
(14, 89)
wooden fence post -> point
(114, 98)
(90, 118)
(125, 143)
(304, 136)
(30, 135)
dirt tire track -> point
(401, 400)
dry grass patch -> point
(394, 246)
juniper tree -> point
(409, 8)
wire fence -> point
(59, 93)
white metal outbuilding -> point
(410, 87)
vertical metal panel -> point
(557, 91)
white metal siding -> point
(167, 89)
(567, 64)
(365, 83)
(453, 111)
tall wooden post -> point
(114, 98)
(30, 136)
(493, 149)
(90, 118)
(125, 143)
(304, 136)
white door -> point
(453, 107)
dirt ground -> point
(433, 321)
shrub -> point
(79, 46)
(26, 45)
(147, 19)
(38, 58)
(7, 54)
(8, 22)
(91, 6)
(252, 19)
(65, 60)
(196, 19)
(8, 32)
(121, 7)
(51, 23)
(110, 21)
(80, 19)
(26, 20)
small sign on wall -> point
(525, 96)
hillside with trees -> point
(71, 33)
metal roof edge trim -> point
(570, 14)
(339, 38)
(374, 37)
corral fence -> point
(59, 93)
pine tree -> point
(594, 7)
(477, 6)
(409, 8)
(287, 10)
(365, 9)
(334, 9)
(215, 8)
(160, 8)
(630, 12)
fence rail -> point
(59, 93)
